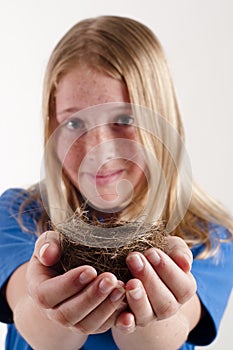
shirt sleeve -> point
(214, 279)
(16, 245)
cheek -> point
(137, 164)
(71, 159)
(130, 133)
(136, 172)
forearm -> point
(31, 320)
(42, 333)
(168, 334)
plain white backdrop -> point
(197, 37)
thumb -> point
(48, 249)
(46, 255)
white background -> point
(197, 37)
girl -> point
(111, 117)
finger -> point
(126, 322)
(47, 248)
(51, 292)
(181, 284)
(179, 252)
(75, 309)
(112, 319)
(46, 254)
(162, 301)
(165, 283)
(44, 284)
(103, 317)
(139, 303)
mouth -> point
(106, 177)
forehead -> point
(83, 87)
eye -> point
(75, 123)
(124, 119)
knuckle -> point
(39, 296)
(59, 316)
(105, 327)
(185, 296)
(176, 243)
(144, 321)
(188, 291)
(102, 329)
(89, 297)
(86, 329)
(167, 310)
(82, 329)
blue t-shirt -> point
(214, 275)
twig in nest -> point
(105, 246)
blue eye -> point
(75, 123)
(124, 119)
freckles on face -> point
(83, 87)
(103, 162)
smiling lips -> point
(106, 178)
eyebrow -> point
(71, 110)
(111, 107)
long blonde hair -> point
(129, 51)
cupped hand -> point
(162, 283)
(78, 299)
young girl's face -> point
(99, 146)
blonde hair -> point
(129, 51)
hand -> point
(78, 299)
(162, 284)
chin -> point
(108, 204)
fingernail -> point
(154, 257)
(135, 262)
(86, 277)
(43, 249)
(188, 260)
(136, 293)
(105, 285)
(125, 329)
(117, 294)
(128, 327)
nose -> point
(100, 134)
(100, 144)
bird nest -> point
(105, 246)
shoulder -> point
(214, 284)
(16, 240)
(18, 203)
(219, 231)
(12, 193)
(13, 198)
(220, 240)
(10, 202)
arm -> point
(32, 323)
(63, 308)
(162, 299)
